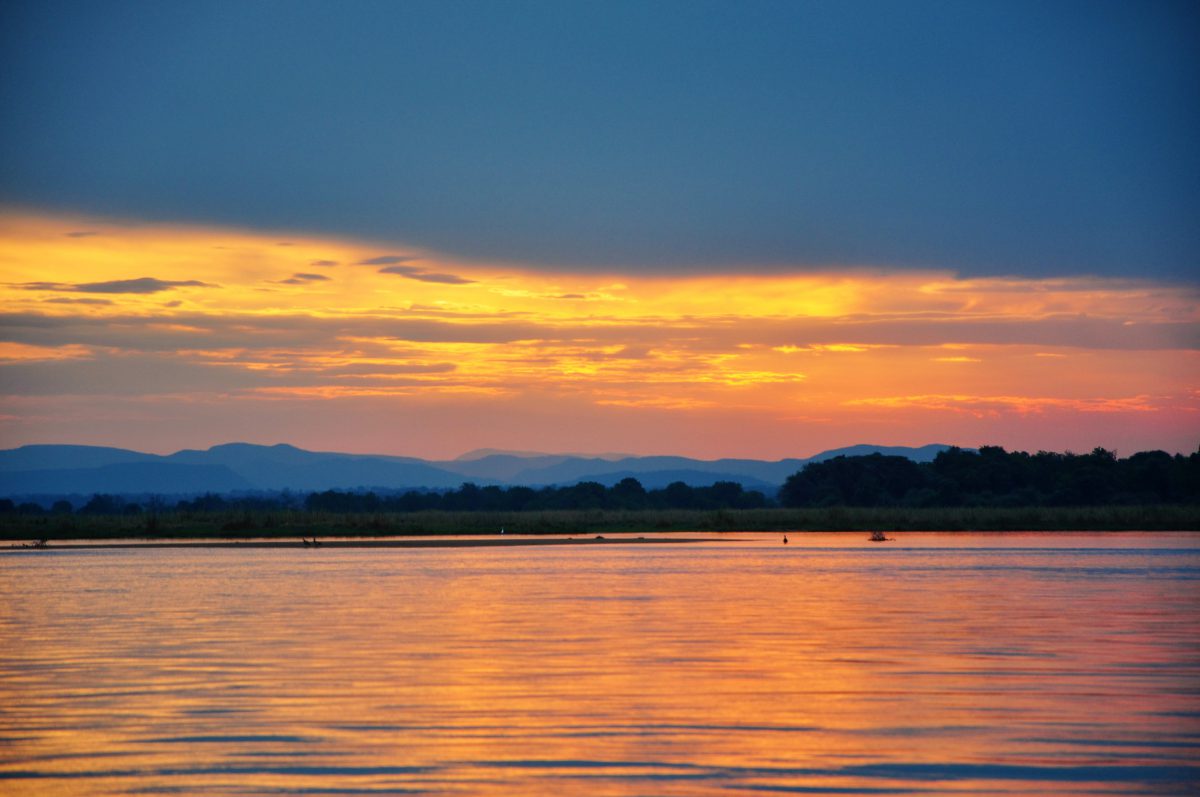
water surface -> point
(937, 663)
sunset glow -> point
(161, 337)
(599, 398)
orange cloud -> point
(133, 310)
(1019, 404)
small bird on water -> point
(785, 539)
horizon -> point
(773, 232)
(480, 453)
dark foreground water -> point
(1003, 664)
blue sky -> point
(1032, 139)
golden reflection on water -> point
(828, 666)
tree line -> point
(956, 477)
(992, 476)
(627, 494)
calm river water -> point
(937, 663)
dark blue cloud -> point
(990, 137)
(414, 273)
(302, 278)
(65, 300)
(384, 260)
(139, 285)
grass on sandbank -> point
(238, 524)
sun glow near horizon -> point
(162, 336)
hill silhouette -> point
(82, 470)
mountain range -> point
(244, 467)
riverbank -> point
(505, 541)
(284, 524)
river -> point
(934, 663)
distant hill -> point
(658, 479)
(67, 470)
(124, 478)
(545, 469)
(51, 457)
(920, 454)
(574, 470)
(81, 470)
(282, 467)
(503, 467)
(480, 453)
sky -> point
(745, 229)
